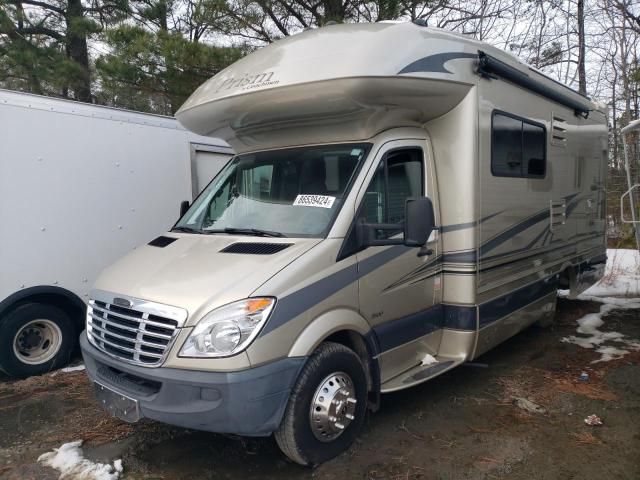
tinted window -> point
(518, 147)
(398, 177)
(533, 143)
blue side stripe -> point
(502, 306)
(397, 332)
(299, 301)
(460, 318)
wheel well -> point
(567, 277)
(58, 297)
(357, 343)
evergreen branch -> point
(36, 3)
(40, 31)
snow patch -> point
(621, 277)
(70, 462)
(428, 360)
(610, 353)
(592, 337)
(76, 368)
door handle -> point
(425, 252)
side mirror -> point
(419, 221)
(184, 206)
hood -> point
(193, 273)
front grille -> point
(141, 334)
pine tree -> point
(157, 63)
(44, 44)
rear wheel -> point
(35, 338)
(326, 408)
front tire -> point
(326, 408)
(34, 339)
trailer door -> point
(206, 162)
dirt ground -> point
(462, 425)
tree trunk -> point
(582, 75)
(77, 50)
(333, 11)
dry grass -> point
(527, 383)
(85, 421)
(586, 438)
(72, 382)
(595, 389)
(542, 386)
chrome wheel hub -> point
(37, 342)
(333, 407)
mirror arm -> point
(366, 237)
(384, 242)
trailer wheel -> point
(326, 408)
(34, 339)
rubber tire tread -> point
(287, 436)
(15, 319)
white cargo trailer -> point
(80, 186)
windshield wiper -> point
(247, 231)
(186, 230)
(253, 231)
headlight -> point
(229, 329)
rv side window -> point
(518, 147)
(399, 176)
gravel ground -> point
(466, 424)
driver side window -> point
(399, 176)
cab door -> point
(399, 286)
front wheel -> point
(326, 408)
(34, 339)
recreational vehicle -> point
(81, 186)
(402, 200)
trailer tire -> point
(338, 372)
(35, 338)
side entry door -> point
(399, 286)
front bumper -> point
(249, 402)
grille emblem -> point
(122, 302)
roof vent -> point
(255, 248)
(162, 241)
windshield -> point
(294, 192)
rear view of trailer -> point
(81, 185)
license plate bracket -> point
(117, 404)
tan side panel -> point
(516, 211)
(326, 324)
(307, 272)
(454, 142)
(457, 344)
(459, 289)
(508, 326)
(395, 361)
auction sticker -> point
(322, 201)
